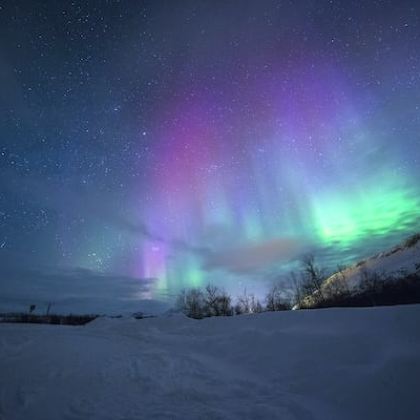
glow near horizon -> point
(342, 219)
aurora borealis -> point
(180, 143)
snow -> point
(323, 364)
(397, 262)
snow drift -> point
(324, 364)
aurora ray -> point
(206, 142)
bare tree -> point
(217, 301)
(313, 276)
(256, 306)
(298, 294)
(225, 305)
(196, 303)
(275, 299)
(191, 303)
(248, 304)
(48, 308)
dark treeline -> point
(47, 319)
(212, 301)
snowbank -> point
(320, 364)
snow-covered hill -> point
(324, 364)
(397, 262)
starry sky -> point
(150, 146)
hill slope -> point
(388, 278)
(400, 261)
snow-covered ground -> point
(322, 364)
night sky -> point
(148, 146)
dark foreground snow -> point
(323, 364)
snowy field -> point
(324, 364)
